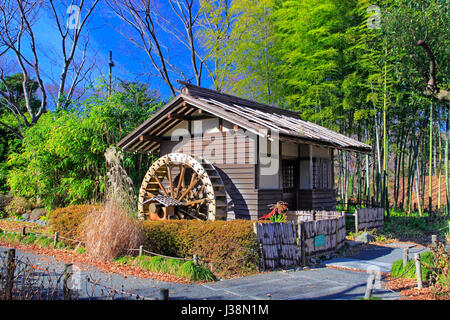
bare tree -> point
(18, 41)
(151, 25)
(69, 45)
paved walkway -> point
(316, 283)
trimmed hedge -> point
(68, 222)
(228, 247)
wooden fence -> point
(277, 245)
(369, 218)
(308, 234)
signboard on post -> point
(319, 240)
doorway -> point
(289, 182)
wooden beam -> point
(187, 117)
(146, 137)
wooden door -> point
(289, 182)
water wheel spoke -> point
(160, 185)
(192, 184)
(180, 180)
(169, 176)
(200, 201)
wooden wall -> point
(235, 161)
(235, 164)
(316, 200)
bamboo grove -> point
(375, 72)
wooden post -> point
(195, 259)
(418, 271)
(163, 294)
(55, 239)
(434, 240)
(369, 286)
(141, 249)
(356, 220)
(11, 267)
(301, 240)
(67, 281)
(405, 257)
(260, 248)
(24, 231)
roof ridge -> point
(192, 89)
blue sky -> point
(131, 63)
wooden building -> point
(242, 156)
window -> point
(322, 174)
(289, 175)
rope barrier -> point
(160, 255)
(78, 241)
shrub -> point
(61, 156)
(229, 246)
(68, 222)
(5, 200)
(18, 205)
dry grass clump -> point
(112, 230)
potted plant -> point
(277, 212)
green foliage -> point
(426, 262)
(28, 239)
(123, 260)
(31, 239)
(242, 48)
(44, 242)
(176, 267)
(229, 246)
(80, 250)
(62, 156)
(278, 218)
(9, 141)
(195, 273)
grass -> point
(409, 272)
(29, 239)
(414, 227)
(402, 226)
(434, 266)
(183, 269)
(380, 237)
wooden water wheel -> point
(178, 186)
